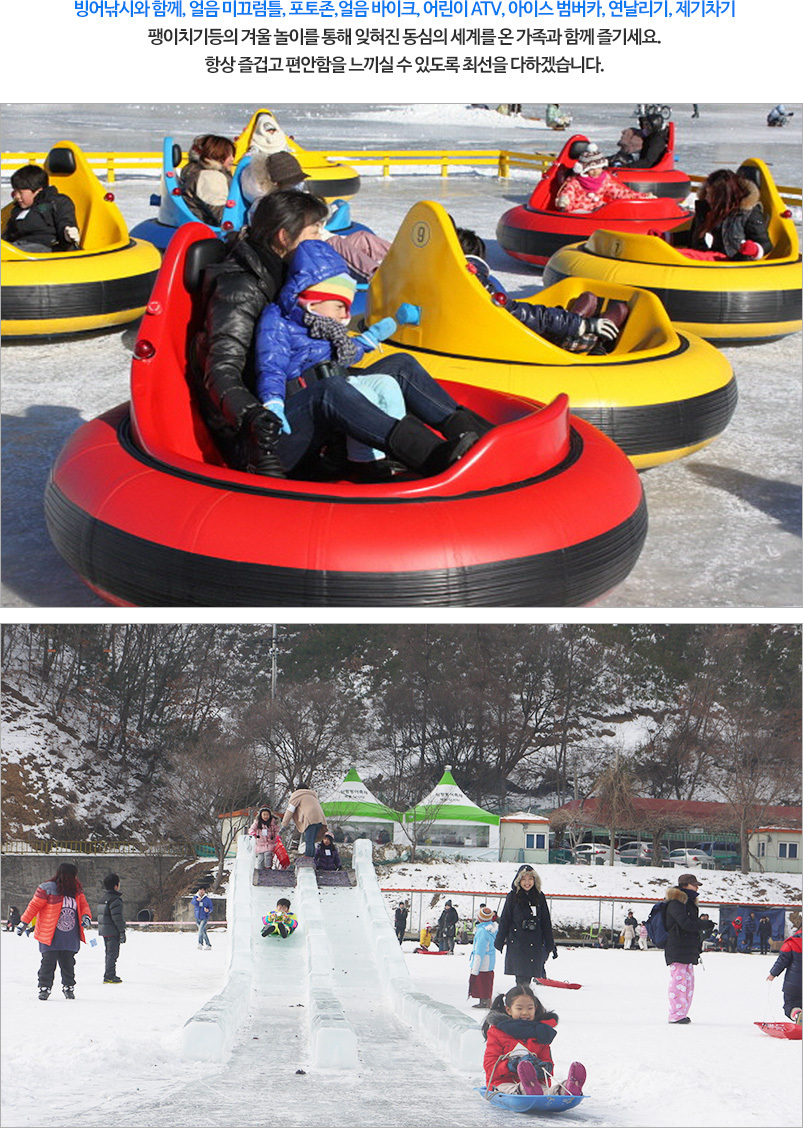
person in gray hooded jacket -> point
(111, 926)
(525, 927)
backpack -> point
(656, 924)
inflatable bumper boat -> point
(726, 301)
(101, 285)
(174, 211)
(534, 231)
(659, 394)
(544, 510)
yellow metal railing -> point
(110, 165)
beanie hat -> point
(591, 159)
(339, 287)
(485, 914)
(284, 169)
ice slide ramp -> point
(337, 993)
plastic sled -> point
(523, 1104)
(430, 952)
(781, 1030)
(555, 983)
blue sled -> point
(524, 1103)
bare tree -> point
(212, 779)
(614, 793)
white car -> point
(692, 859)
(593, 853)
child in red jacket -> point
(518, 1031)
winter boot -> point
(283, 931)
(113, 980)
(575, 1079)
(528, 1078)
(415, 445)
(462, 421)
(585, 305)
(69, 993)
(44, 993)
(684, 1020)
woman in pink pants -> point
(682, 949)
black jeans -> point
(47, 969)
(112, 944)
(333, 404)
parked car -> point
(725, 854)
(639, 853)
(593, 853)
(692, 858)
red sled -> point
(281, 854)
(781, 1030)
(555, 983)
(431, 952)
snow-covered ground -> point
(113, 1056)
(724, 523)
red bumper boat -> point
(544, 510)
(533, 232)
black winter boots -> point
(412, 443)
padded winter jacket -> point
(326, 857)
(265, 835)
(788, 960)
(503, 1034)
(284, 347)
(525, 926)
(111, 921)
(203, 907)
(204, 185)
(44, 222)
(235, 292)
(303, 810)
(483, 953)
(682, 926)
(572, 197)
(554, 324)
(746, 224)
(45, 906)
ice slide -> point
(335, 1001)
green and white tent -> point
(357, 813)
(447, 818)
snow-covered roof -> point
(447, 802)
(353, 799)
(524, 816)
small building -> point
(450, 823)
(354, 812)
(775, 849)
(238, 821)
(524, 837)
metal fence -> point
(102, 847)
(608, 911)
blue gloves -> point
(372, 337)
(276, 407)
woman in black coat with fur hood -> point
(525, 926)
(682, 949)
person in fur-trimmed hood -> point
(525, 927)
(729, 221)
(682, 949)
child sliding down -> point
(518, 1031)
(280, 922)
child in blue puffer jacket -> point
(304, 357)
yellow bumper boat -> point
(660, 394)
(327, 178)
(725, 301)
(101, 285)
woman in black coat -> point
(682, 949)
(525, 926)
(729, 218)
(235, 292)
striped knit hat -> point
(339, 287)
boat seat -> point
(200, 256)
(61, 162)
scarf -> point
(344, 348)
(593, 183)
